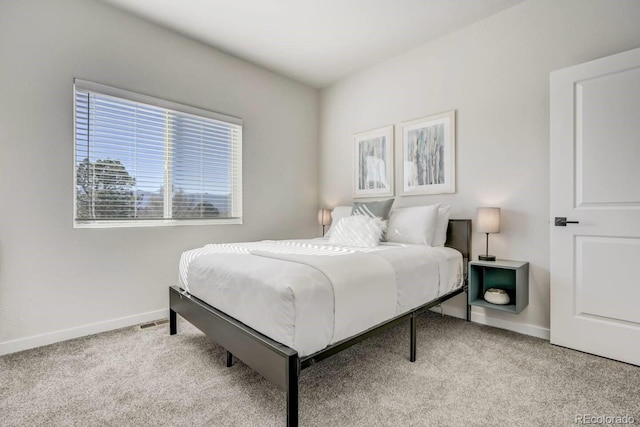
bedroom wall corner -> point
(495, 74)
(57, 282)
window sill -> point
(155, 223)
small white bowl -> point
(496, 296)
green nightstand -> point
(512, 276)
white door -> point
(595, 180)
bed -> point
(281, 320)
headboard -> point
(459, 238)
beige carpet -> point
(465, 375)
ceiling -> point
(314, 41)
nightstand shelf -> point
(512, 276)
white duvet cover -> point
(308, 294)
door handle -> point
(561, 221)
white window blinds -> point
(144, 161)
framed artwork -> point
(429, 155)
(373, 163)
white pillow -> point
(337, 214)
(413, 225)
(358, 230)
(440, 234)
(340, 212)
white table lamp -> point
(487, 221)
(324, 218)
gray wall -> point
(57, 282)
(495, 74)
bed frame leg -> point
(412, 337)
(173, 323)
(229, 359)
(293, 370)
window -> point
(144, 161)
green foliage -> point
(204, 210)
(104, 190)
(183, 206)
(188, 206)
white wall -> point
(57, 282)
(495, 74)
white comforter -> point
(308, 294)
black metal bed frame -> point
(280, 364)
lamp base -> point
(487, 257)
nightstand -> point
(512, 276)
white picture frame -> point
(373, 163)
(429, 155)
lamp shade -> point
(488, 220)
(324, 216)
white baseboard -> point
(80, 331)
(483, 319)
(122, 322)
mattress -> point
(293, 302)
